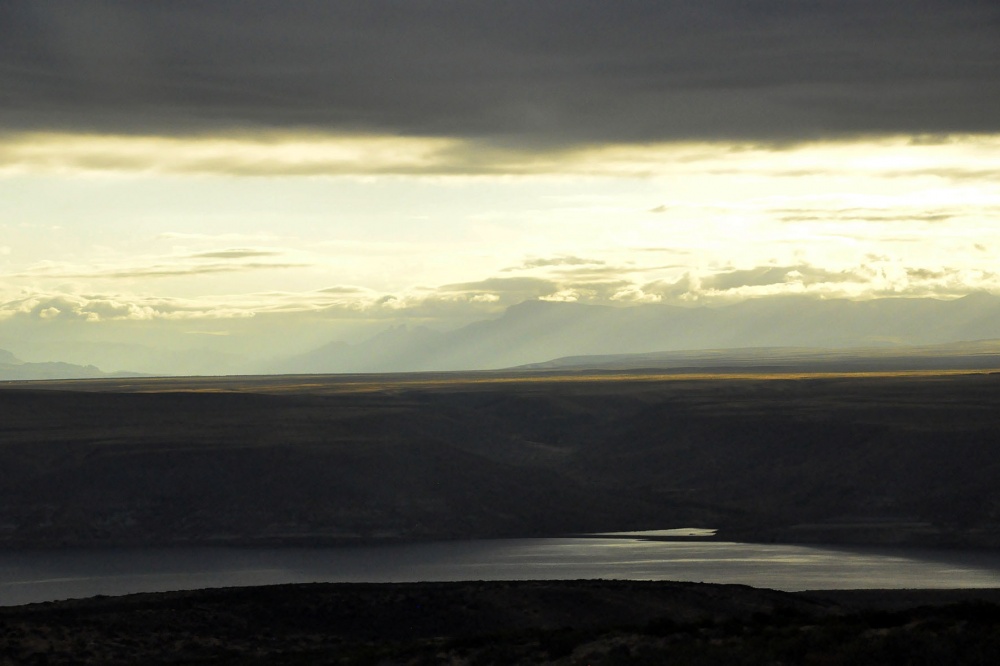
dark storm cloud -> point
(520, 72)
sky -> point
(245, 178)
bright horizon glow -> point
(298, 154)
(356, 232)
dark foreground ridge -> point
(891, 459)
(524, 622)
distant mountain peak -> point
(537, 331)
(535, 305)
(13, 369)
(983, 297)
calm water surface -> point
(43, 575)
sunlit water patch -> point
(44, 575)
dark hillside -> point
(876, 459)
(524, 622)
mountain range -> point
(535, 332)
(13, 368)
(784, 333)
(972, 355)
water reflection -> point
(31, 576)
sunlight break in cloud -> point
(278, 154)
(963, 157)
(391, 213)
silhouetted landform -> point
(907, 459)
(13, 368)
(525, 622)
(971, 355)
(537, 331)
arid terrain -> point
(556, 622)
(904, 458)
(901, 458)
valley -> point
(885, 458)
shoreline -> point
(501, 622)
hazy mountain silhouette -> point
(966, 355)
(13, 368)
(539, 331)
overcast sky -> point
(247, 174)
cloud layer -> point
(252, 174)
(459, 303)
(516, 72)
(951, 158)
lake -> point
(47, 575)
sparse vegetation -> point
(902, 459)
(566, 622)
(874, 459)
